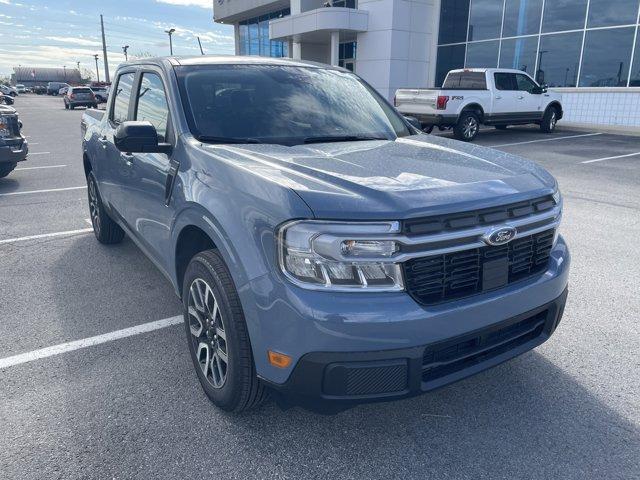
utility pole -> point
(200, 43)
(97, 70)
(170, 32)
(124, 49)
(104, 51)
(64, 68)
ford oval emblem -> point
(499, 235)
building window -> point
(347, 55)
(253, 36)
(562, 15)
(485, 19)
(592, 39)
(606, 57)
(558, 60)
(449, 58)
(454, 18)
(521, 17)
(519, 53)
(482, 54)
(606, 13)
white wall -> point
(316, 52)
(397, 49)
(614, 107)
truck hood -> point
(408, 177)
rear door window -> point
(505, 81)
(465, 81)
(152, 104)
(120, 110)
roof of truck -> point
(483, 70)
(226, 60)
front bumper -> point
(14, 151)
(346, 378)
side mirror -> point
(413, 121)
(139, 137)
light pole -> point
(64, 70)
(170, 32)
(124, 49)
(97, 70)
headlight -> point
(340, 256)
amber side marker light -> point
(279, 360)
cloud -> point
(77, 41)
(188, 3)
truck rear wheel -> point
(467, 127)
(217, 335)
(6, 169)
(105, 229)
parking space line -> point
(545, 140)
(46, 235)
(42, 191)
(40, 168)
(39, 153)
(88, 342)
(611, 158)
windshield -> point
(287, 105)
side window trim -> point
(114, 94)
(134, 113)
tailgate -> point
(416, 100)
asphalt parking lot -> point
(132, 407)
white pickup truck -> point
(473, 96)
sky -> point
(57, 33)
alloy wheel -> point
(552, 121)
(469, 127)
(208, 334)
(94, 208)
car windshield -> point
(287, 105)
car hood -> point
(411, 176)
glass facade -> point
(254, 36)
(563, 43)
(347, 55)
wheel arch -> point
(474, 107)
(555, 104)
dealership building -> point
(587, 49)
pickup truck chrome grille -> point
(439, 278)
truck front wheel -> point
(467, 127)
(549, 120)
(217, 335)
(106, 230)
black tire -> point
(549, 120)
(240, 390)
(428, 129)
(13, 94)
(105, 229)
(95, 105)
(467, 127)
(66, 106)
(71, 107)
(501, 127)
(6, 169)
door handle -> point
(103, 141)
(498, 97)
(521, 97)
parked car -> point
(6, 99)
(21, 88)
(79, 97)
(323, 248)
(13, 145)
(63, 90)
(39, 90)
(101, 93)
(8, 90)
(54, 87)
(475, 96)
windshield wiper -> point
(342, 138)
(214, 139)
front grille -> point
(450, 357)
(477, 218)
(440, 278)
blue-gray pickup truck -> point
(325, 250)
(13, 145)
